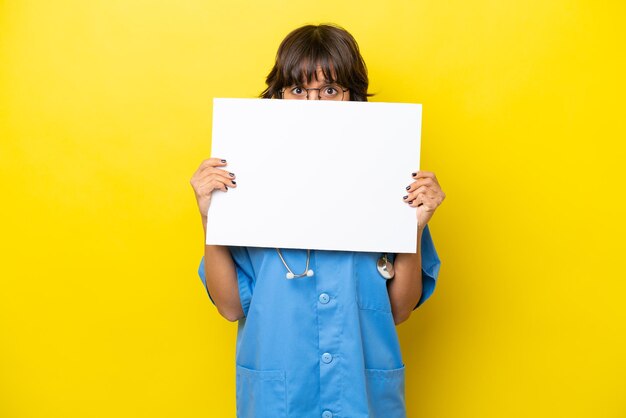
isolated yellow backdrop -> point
(105, 113)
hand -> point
(207, 178)
(425, 194)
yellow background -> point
(105, 113)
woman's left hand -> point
(425, 194)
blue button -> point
(327, 357)
(327, 414)
(324, 298)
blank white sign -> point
(315, 174)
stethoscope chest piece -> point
(385, 267)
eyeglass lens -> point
(327, 92)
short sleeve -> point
(430, 266)
(202, 275)
(245, 276)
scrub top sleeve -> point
(245, 276)
(430, 266)
(202, 275)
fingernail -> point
(405, 197)
(231, 174)
(234, 182)
(223, 161)
(408, 187)
(413, 174)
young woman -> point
(316, 329)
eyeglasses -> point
(327, 92)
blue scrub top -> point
(322, 346)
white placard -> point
(316, 174)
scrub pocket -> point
(372, 293)
(385, 392)
(260, 393)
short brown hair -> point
(327, 45)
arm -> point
(219, 267)
(405, 289)
(221, 279)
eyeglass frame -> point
(319, 97)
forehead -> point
(308, 70)
(317, 78)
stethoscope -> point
(383, 265)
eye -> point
(298, 91)
(330, 91)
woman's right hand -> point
(208, 178)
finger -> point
(210, 162)
(217, 178)
(215, 162)
(427, 181)
(417, 200)
(211, 173)
(427, 189)
(208, 168)
(422, 189)
(427, 202)
(424, 174)
(208, 188)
